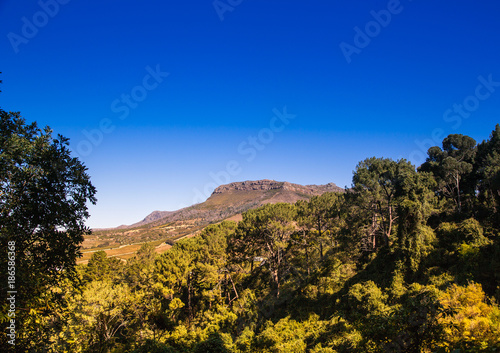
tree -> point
(451, 165)
(140, 268)
(100, 315)
(320, 218)
(488, 174)
(413, 325)
(43, 205)
(194, 273)
(416, 204)
(377, 184)
(213, 343)
(266, 234)
(174, 270)
(101, 267)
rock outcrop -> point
(267, 184)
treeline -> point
(407, 260)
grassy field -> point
(123, 252)
(124, 243)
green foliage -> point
(416, 246)
(266, 234)
(451, 166)
(472, 232)
(334, 275)
(43, 205)
(151, 346)
(321, 220)
(289, 335)
(366, 299)
(101, 267)
(413, 325)
(469, 231)
(245, 340)
(488, 177)
(474, 325)
(285, 336)
(213, 344)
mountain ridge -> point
(230, 199)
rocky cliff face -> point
(267, 185)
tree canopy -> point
(43, 206)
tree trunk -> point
(388, 234)
(307, 260)
(320, 240)
(190, 309)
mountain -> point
(234, 198)
(226, 201)
(152, 217)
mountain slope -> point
(231, 199)
(227, 201)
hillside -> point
(230, 199)
(226, 201)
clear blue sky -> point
(362, 78)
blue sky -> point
(162, 100)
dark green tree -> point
(101, 267)
(195, 274)
(43, 205)
(266, 234)
(417, 202)
(452, 166)
(377, 186)
(140, 268)
(488, 175)
(320, 218)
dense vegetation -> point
(407, 260)
(43, 206)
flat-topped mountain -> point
(267, 185)
(234, 198)
(226, 201)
